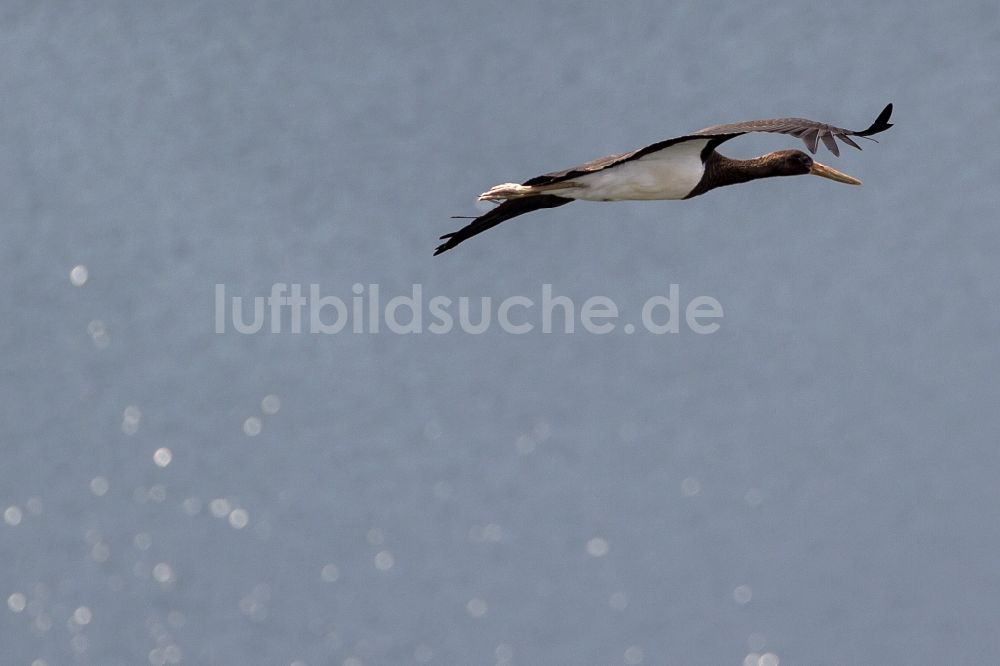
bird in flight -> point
(678, 168)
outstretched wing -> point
(810, 131)
(505, 211)
(602, 163)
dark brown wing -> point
(579, 170)
(614, 160)
(810, 131)
(502, 213)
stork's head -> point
(797, 163)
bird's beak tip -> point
(831, 173)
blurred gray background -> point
(815, 483)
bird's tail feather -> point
(505, 211)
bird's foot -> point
(505, 191)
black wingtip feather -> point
(881, 123)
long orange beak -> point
(828, 172)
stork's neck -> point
(721, 170)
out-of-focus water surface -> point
(814, 483)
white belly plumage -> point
(670, 173)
